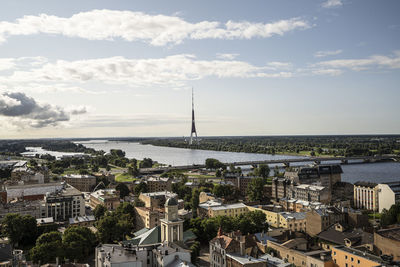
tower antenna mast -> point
(193, 131)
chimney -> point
(242, 246)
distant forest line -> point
(334, 145)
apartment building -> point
(387, 242)
(84, 183)
(63, 204)
(156, 199)
(375, 197)
(231, 210)
(157, 184)
(345, 257)
(320, 219)
(107, 197)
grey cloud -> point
(20, 106)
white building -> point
(374, 197)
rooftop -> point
(79, 176)
(359, 253)
(311, 187)
(89, 218)
(293, 215)
(392, 233)
(228, 206)
(365, 184)
(160, 194)
(245, 259)
(117, 253)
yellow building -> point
(295, 221)
(346, 257)
(231, 210)
(271, 217)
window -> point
(345, 257)
(352, 259)
(334, 253)
(358, 261)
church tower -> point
(171, 225)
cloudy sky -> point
(126, 68)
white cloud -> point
(332, 3)
(226, 56)
(376, 61)
(327, 53)
(158, 30)
(280, 65)
(171, 71)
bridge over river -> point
(285, 162)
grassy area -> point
(377, 215)
(199, 176)
(124, 177)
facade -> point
(223, 248)
(237, 260)
(157, 184)
(147, 217)
(204, 207)
(156, 199)
(111, 255)
(330, 175)
(320, 219)
(312, 193)
(63, 204)
(345, 257)
(281, 188)
(171, 255)
(107, 197)
(387, 242)
(84, 183)
(21, 207)
(288, 254)
(295, 221)
(231, 210)
(375, 197)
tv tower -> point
(193, 131)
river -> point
(372, 172)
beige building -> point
(84, 183)
(345, 257)
(157, 184)
(295, 221)
(231, 210)
(156, 199)
(147, 217)
(387, 242)
(320, 219)
(107, 197)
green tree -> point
(78, 242)
(123, 190)
(262, 170)
(99, 211)
(107, 229)
(48, 247)
(20, 229)
(218, 173)
(146, 163)
(195, 201)
(214, 164)
(141, 188)
(255, 189)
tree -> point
(117, 153)
(48, 247)
(195, 251)
(146, 163)
(195, 201)
(141, 188)
(78, 242)
(99, 211)
(262, 170)
(20, 229)
(255, 189)
(214, 164)
(123, 190)
(107, 229)
(218, 173)
(391, 216)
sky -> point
(99, 68)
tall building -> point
(171, 225)
(193, 130)
(375, 197)
(84, 183)
(63, 204)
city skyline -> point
(126, 68)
